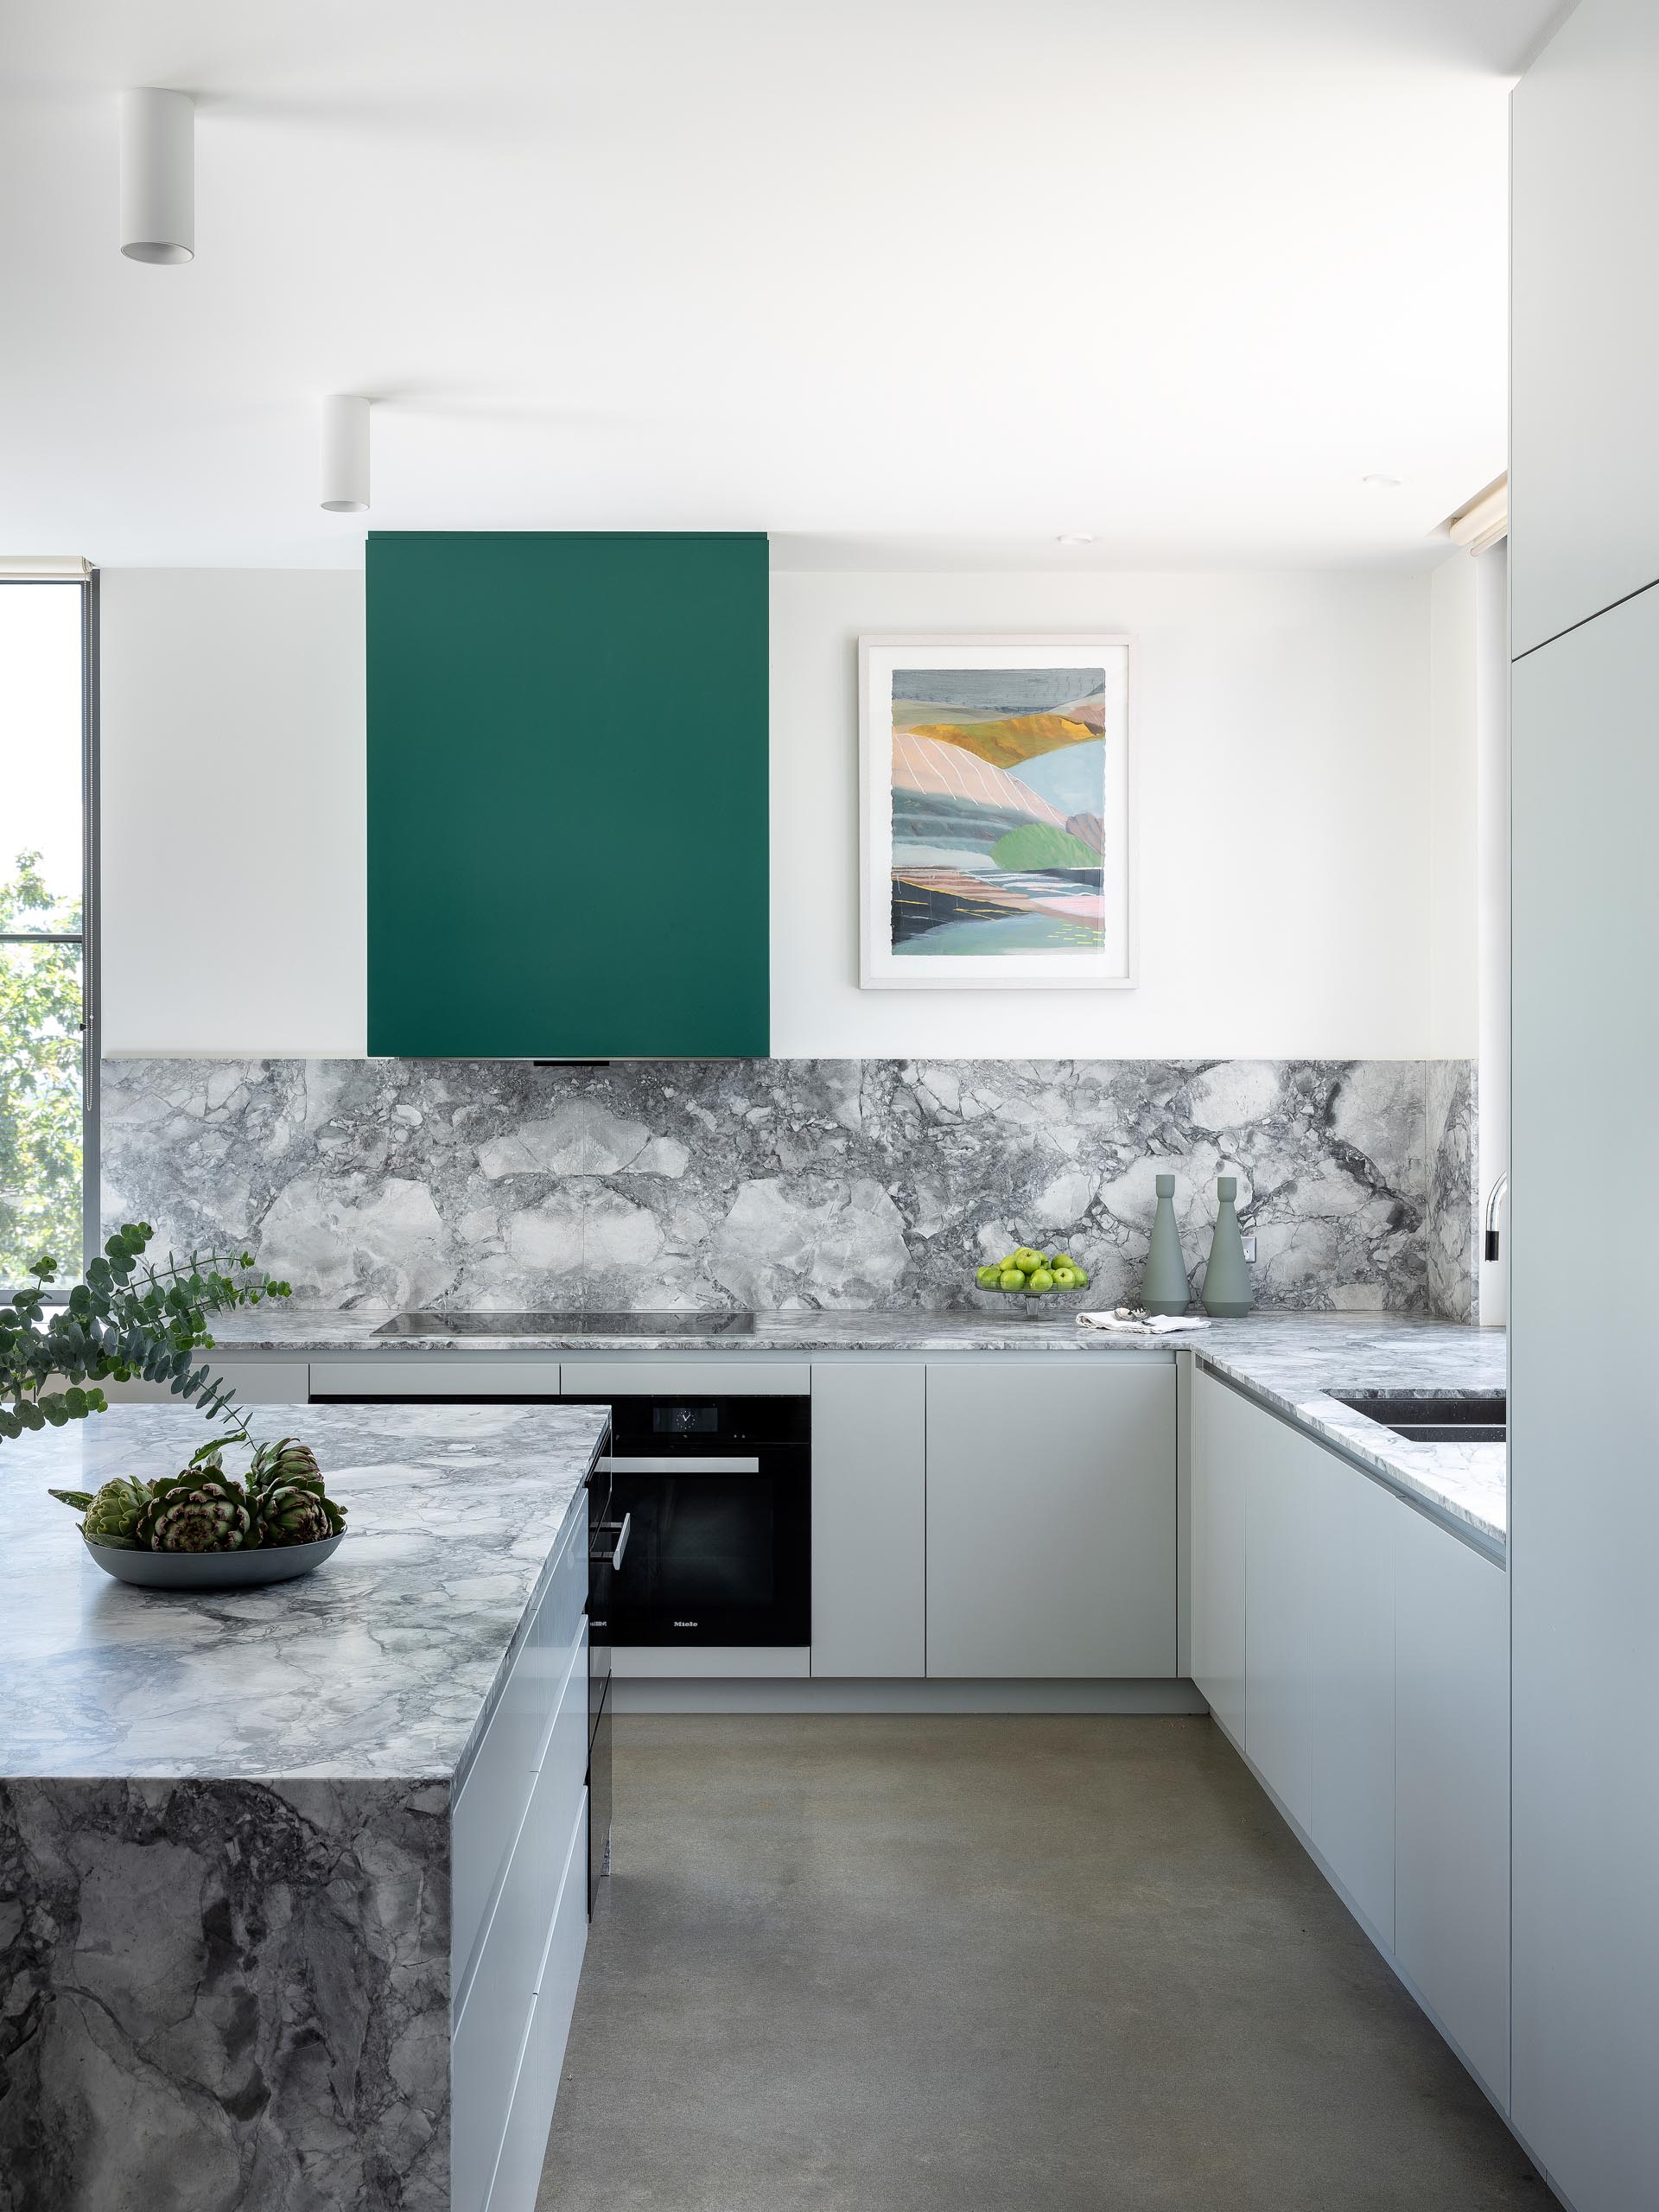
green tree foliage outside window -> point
(40, 1076)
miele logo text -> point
(685, 1624)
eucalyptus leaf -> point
(122, 1319)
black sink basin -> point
(1434, 1417)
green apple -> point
(1024, 1258)
(1038, 1280)
(1013, 1279)
(987, 1278)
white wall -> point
(233, 810)
(1288, 787)
(1283, 726)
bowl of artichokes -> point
(203, 1529)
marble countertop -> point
(381, 1664)
(1290, 1361)
(281, 1329)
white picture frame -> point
(894, 951)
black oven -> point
(707, 1530)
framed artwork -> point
(995, 812)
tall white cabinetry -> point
(1050, 1517)
(1584, 469)
(1583, 1419)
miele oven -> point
(707, 1530)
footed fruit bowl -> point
(1037, 1277)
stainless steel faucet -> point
(1494, 1199)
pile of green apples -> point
(1031, 1272)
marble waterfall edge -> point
(771, 1183)
(227, 1818)
(226, 1993)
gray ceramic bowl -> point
(212, 1570)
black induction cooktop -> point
(478, 1324)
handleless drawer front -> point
(503, 1773)
(496, 2003)
(517, 2175)
(437, 1375)
(732, 1375)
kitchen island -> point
(258, 1847)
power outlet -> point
(1248, 1243)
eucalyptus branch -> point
(112, 1327)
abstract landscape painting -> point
(996, 811)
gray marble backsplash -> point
(1451, 1220)
(778, 1184)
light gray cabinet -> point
(1584, 491)
(1051, 1516)
(869, 1517)
(1223, 1436)
(255, 1382)
(1367, 1650)
(519, 1899)
(1452, 1789)
(1583, 1423)
(1318, 1653)
(1350, 1701)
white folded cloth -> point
(1146, 1325)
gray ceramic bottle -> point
(1227, 1279)
(1166, 1289)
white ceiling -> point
(893, 279)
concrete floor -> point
(981, 1964)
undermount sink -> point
(1434, 1417)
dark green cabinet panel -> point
(568, 820)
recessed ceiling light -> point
(1382, 483)
(1077, 537)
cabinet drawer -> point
(494, 2006)
(524, 2142)
(1051, 1527)
(444, 1375)
(739, 1374)
(499, 1782)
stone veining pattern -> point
(225, 1820)
(1452, 1218)
(223, 1994)
(375, 1185)
(1292, 1361)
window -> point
(47, 946)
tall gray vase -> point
(1227, 1288)
(1166, 1289)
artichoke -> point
(113, 1517)
(195, 1511)
(297, 1513)
(286, 1460)
(286, 1493)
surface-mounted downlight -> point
(158, 177)
(345, 455)
(1077, 537)
(1380, 483)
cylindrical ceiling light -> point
(158, 177)
(345, 455)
